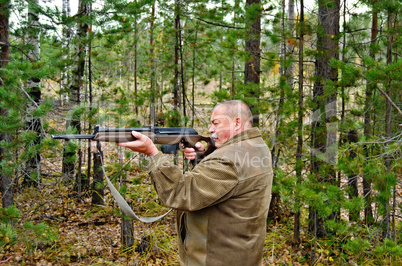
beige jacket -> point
(222, 203)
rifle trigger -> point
(181, 147)
(184, 142)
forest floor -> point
(91, 235)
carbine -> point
(168, 137)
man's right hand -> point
(190, 153)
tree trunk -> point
(127, 231)
(135, 64)
(97, 183)
(183, 81)
(368, 210)
(323, 132)
(299, 149)
(352, 177)
(86, 183)
(6, 186)
(75, 90)
(193, 77)
(68, 156)
(253, 56)
(282, 83)
(274, 207)
(176, 87)
(388, 123)
(32, 167)
(233, 78)
(290, 44)
(152, 115)
(6, 181)
(65, 74)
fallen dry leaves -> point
(87, 234)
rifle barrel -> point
(72, 136)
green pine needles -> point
(28, 235)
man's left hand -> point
(142, 144)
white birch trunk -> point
(65, 75)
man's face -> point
(222, 126)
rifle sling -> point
(126, 209)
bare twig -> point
(6, 260)
(28, 96)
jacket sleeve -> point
(210, 182)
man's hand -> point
(190, 153)
(143, 144)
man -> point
(222, 204)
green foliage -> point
(174, 118)
(43, 109)
(388, 250)
(8, 236)
(9, 215)
(221, 95)
(37, 235)
(354, 205)
(31, 236)
(212, 39)
(337, 228)
(357, 246)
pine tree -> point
(323, 135)
(76, 90)
(370, 86)
(252, 66)
(5, 177)
(32, 172)
(388, 120)
(299, 150)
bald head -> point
(237, 108)
(229, 119)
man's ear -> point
(238, 123)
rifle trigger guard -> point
(185, 143)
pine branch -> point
(220, 25)
(390, 100)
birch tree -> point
(66, 39)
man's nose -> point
(211, 129)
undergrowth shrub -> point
(357, 246)
(37, 235)
(347, 241)
(388, 252)
(30, 236)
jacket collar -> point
(244, 135)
